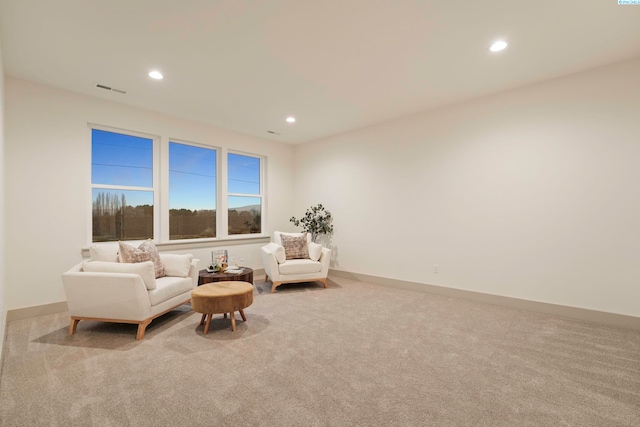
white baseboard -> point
(36, 311)
(612, 319)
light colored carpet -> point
(354, 354)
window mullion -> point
(159, 198)
(223, 187)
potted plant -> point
(316, 221)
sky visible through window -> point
(192, 177)
(119, 159)
(244, 174)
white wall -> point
(48, 156)
(3, 306)
(532, 193)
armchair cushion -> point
(176, 265)
(169, 287)
(278, 251)
(295, 247)
(143, 269)
(299, 266)
(315, 251)
(104, 252)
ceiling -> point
(336, 65)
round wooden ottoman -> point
(221, 297)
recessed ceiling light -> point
(156, 75)
(498, 46)
(291, 119)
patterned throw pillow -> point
(147, 251)
(295, 247)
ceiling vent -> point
(272, 132)
(112, 89)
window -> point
(244, 194)
(143, 187)
(122, 183)
(192, 192)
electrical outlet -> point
(435, 268)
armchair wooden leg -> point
(266, 277)
(324, 282)
(233, 321)
(73, 326)
(141, 328)
(206, 326)
(274, 286)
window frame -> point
(166, 235)
(228, 194)
(161, 193)
(155, 173)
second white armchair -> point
(294, 258)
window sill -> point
(195, 243)
(207, 243)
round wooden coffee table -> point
(205, 277)
(221, 298)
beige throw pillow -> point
(278, 251)
(177, 265)
(295, 247)
(104, 252)
(315, 251)
(147, 251)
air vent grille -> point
(112, 89)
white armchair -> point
(104, 290)
(282, 269)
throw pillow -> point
(130, 255)
(147, 251)
(142, 269)
(151, 249)
(278, 251)
(104, 252)
(315, 251)
(177, 265)
(295, 247)
(277, 236)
